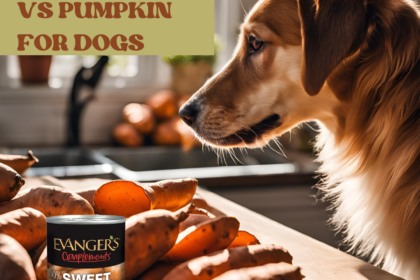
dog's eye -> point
(254, 44)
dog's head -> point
(286, 51)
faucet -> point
(88, 77)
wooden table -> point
(317, 260)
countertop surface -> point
(317, 260)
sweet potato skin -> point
(163, 104)
(15, 263)
(149, 236)
(51, 201)
(157, 271)
(41, 265)
(10, 183)
(126, 198)
(140, 116)
(205, 238)
(244, 238)
(209, 267)
(27, 226)
(88, 194)
(272, 271)
(165, 191)
(193, 220)
(19, 163)
(126, 135)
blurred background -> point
(116, 117)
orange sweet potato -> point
(209, 267)
(167, 134)
(193, 220)
(140, 117)
(41, 263)
(205, 238)
(27, 226)
(126, 135)
(19, 163)
(272, 271)
(50, 201)
(10, 183)
(126, 198)
(244, 238)
(157, 271)
(188, 140)
(149, 236)
(164, 104)
(15, 263)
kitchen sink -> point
(159, 163)
(64, 162)
(148, 164)
(159, 158)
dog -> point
(352, 66)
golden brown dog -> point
(353, 66)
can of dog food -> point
(84, 247)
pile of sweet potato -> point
(156, 120)
(171, 233)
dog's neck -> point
(370, 149)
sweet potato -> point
(188, 140)
(10, 183)
(166, 134)
(272, 271)
(41, 264)
(164, 104)
(50, 201)
(209, 267)
(88, 194)
(157, 271)
(201, 203)
(193, 220)
(126, 135)
(140, 117)
(117, 272)
(205, 238)
(244, 238)
(200, 211)
(19, 163)
(36, 254)
(126, 198)
(15, 263)
(149, 236)
(27, 226)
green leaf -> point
(111, 237)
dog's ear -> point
(331, 31)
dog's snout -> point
(188, 113)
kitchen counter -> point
(317, 260)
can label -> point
(86, 252)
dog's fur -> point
(352, 65)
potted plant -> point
(35, 68)
(190, 72)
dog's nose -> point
(188, 113)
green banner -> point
(178, 27)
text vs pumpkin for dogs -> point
(86, 247)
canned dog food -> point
(86, 247)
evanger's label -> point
(86, 246)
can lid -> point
(86, 219)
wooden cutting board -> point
(317, 260)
